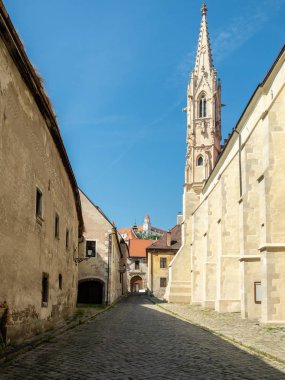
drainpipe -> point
(108, 269)
(151, 273)
(239, 162)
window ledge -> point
(44, 304)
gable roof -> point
(97, 207)
(137, 247)
(161, 244)
(17, 52)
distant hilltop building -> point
(138, 239)
(145, 231)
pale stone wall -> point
(273, 244)
(249, 220)
(238, 238)
(179, 284)
(28, 247)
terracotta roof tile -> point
(137, 247)
(175, 240)
(130, 233)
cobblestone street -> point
(137, 340)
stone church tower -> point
(203, 146)
(203, 114)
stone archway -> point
(136, 284)
(90, 291)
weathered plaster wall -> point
(28, 247)
(97, 228)
(100, 229)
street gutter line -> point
(239, 344)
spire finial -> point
(204, 9)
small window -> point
(162, 282)
(67, 238)
(257, 292)
(45, 289)
(200, 161)
(90, 248)
(56, 226)
(203, 107)
(163, 262)
(39, 204)
(137, 264)
(60, 281)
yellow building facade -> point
(159, 256)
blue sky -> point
(117, 71)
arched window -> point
(200, 161)
(203, 106)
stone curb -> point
(36, 341)
(237, 343)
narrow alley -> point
(137, 340)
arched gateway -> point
(136, 284)
(90, 291)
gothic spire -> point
(204, 61)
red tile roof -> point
(137, 247)
(161, 243)
(130, 234)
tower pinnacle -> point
(204, 59)
(203, 113)
(204, 9)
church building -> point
(232, 257)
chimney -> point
(168, 239)
(179, 218)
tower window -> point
(200, 161)
(203, 106)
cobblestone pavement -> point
(138, 340)
(266, 339)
